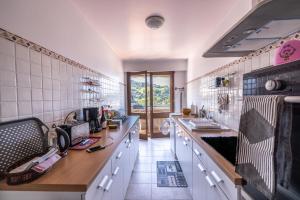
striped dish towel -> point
(256, 159)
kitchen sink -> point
(226, 146)
(202, 124)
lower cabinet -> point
(205, 179)
(113, 180)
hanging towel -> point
(258, 142)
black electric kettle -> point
(63, 140)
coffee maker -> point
(91, 115)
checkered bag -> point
(21, 140)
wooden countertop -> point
(77, 170)
(222, 163)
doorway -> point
(151, 96)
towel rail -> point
(292, 99)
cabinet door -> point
(212, 190)
(172, 136)
(100, 188)
(117, 185)
(127, 170)
(179, 146)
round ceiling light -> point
(154, 21)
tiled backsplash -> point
(202, 91)
(35, 84)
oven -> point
(280, 80)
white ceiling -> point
(188, 25)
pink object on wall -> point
(288, 52)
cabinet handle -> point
(129, 145)
(102, 183)
(184, 143)
(197, 152)
(216, 177)
(108, 185)
(186, 139)
(116, 171)
(179, 135)
(119, 155)
(211, 184)
(126, 141)
(201, 168)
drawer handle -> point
(108, 185)
(201, 168)
(116, 171)
(197, 152)
(186, 139)
(184, 143)
(211, 184)
(216, 177)
(119, 155)
(102, 183)
(127, 141)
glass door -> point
(138, 95)
(161, 100)
(151, 96)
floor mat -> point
(169, 174)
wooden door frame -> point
(160, 115)
(142, 115)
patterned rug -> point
(169, 174)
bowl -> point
(186, 111)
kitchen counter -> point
(78, 169)
(222, 163)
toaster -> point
(77, 131)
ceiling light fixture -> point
(154, 21)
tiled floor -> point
(143, 180)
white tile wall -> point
(34, 84)
(201, 92)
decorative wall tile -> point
(37, 94)
(201, 91)
(24, 80)
(8, 93)
(35, 57)
(47, 95)
(37, 107)
(47, 83)
(9, 109)
(7, 62)
(7, 78)
(24, 94)
(36, 82)
(22, 52)
(48, 106)
(23, 66)
(7, 47)
(36, 69)
(24, 108)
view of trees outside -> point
(161, 93)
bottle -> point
(103, 121)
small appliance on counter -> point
(77, 131)
(91, 115)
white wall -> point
(155, 65)
(58, 26)
(198, 65)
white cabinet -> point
(100, 189)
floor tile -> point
(141, 177)
(143, 182)
(168, 193)
(138, 192)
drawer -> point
(221, 179)
(97, 190)
(117, 156)
(216, 174)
